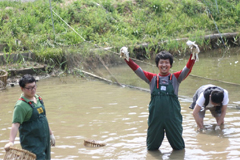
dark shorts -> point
(212, 110)
(195, 97)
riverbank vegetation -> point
(78, 26)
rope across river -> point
(109, 50)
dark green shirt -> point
(23, 111)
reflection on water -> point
(79, 109)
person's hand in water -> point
(217, 128)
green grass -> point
(113, 23)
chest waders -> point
(164, 115)
(34, 133)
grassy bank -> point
(112, 23)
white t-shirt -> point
(201, 100)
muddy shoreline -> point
(94, 60)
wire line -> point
(68, 25)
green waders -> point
(34, 133)
(164, 114)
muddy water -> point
(79, 109)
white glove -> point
(217, 128)
(124, 53)
(8, 145)
(194, 48)
(52, 140)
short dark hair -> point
(164, 55)
(217, 96)
(27, 78)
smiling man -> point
(164, 108)
(29, 117)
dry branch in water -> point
(92, 143)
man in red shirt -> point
(164, 108)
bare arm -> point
(198, 119)
(50, 131)
(13, 132)
(52, 138)
(220, 120)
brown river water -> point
(80, 109)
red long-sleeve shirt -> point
(150, 78)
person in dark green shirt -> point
(29, 117)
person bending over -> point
(213, 98)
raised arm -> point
(146, 76)
(181, 75)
